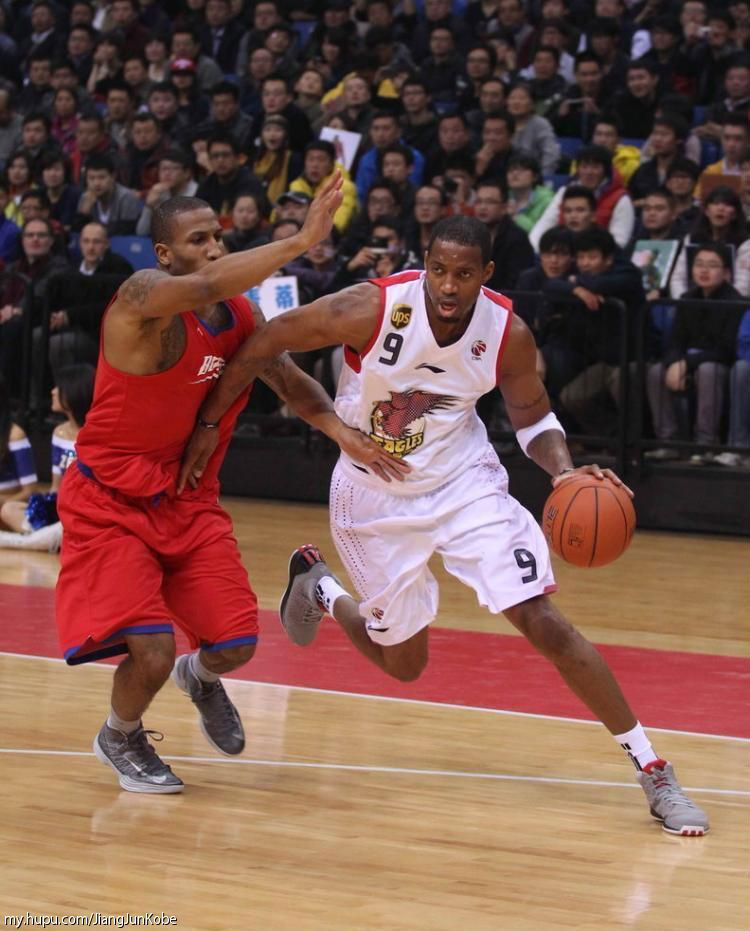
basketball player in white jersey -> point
(421, 348)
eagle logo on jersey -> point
(400, 316)
(398, 424)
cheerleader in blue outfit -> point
(32, 519)
(17, 468)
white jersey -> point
(415, 398)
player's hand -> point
(594, 470)
(319, 219)
(195, 458)
(365, 451)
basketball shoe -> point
(219, 719)
(668, 802)
(300, 610)
(137, 764)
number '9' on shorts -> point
(485, 538)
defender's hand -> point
(319, 219)
(195, 459)
(367, 452)
(596, 472)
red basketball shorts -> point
(135, 565)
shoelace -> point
(668, 791)
(138, 740)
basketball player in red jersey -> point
(421, 348)
(135, 556)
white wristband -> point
(526, 434)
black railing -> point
(684, 443)
(537, 309)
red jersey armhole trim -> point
(354, 358)
(244, 310)
(507, 304)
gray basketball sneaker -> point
(137, 764)
(219, 719)
(300, 609)
(668, 802)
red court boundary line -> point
(697, 692)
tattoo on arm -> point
(258, 315)
(138, 287)
(526, 405)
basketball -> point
(588, 521)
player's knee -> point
(236, 656)
(546, 628)
(407, 670)
(155, 663)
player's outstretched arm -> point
(348, 317)
(154, 293)
(309, 400)
(528, 406)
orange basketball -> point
(588, 521)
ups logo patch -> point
(400, 316)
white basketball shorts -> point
(484, 536)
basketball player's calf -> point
(313, 591)
(122, 742)
(588, 676)
(197, 675)
(578, 661)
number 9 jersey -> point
(418, 399)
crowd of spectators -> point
(575, 129)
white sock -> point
(120, 724)
(205, 675)
(637, 746)
(327, 591)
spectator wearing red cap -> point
(186, 44)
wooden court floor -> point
(351, 812)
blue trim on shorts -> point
(113, 649)
(85, 470)
(88, 473)
(226, 644)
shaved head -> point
(162, 222)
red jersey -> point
(138, 425)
